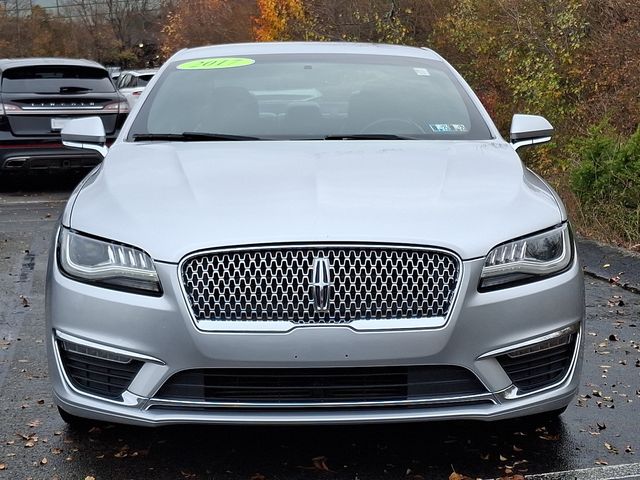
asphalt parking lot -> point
(598, 436)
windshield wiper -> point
(368, 136)
(75, 89)
(190, 137)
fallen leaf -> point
(601, 426)
(456, 476)
(320, 463)
(516, 449)
(601, 462)
(34, 423)
(3, 466)
(503, 458)
(56, 451)
(611, 448)
(257, 476)
(44, 461)
(89, 477)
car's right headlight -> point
(107, 264)
(528, 259)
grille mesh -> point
(276, 284)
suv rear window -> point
(56, 79)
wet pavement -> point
(599, 430)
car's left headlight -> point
(107, 264)
(528, 259)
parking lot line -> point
(611, 472)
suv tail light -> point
(6, 108)
(117, 107)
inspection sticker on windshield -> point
(447, 127)
(215, 63)
(423, 72)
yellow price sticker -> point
(216, 63)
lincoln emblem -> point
(321, 284)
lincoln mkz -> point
(312, 233)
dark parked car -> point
(38, 96)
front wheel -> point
(545, 417)
(73, 421)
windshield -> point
(311, 97)
(56, 79)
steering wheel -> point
(390, 125)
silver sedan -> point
(312, 233)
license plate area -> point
(57, 124)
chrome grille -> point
(275, 283)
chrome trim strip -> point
(118, 351)
(512, 393)
(559, 333)
(57, 110)
(383, 403)
(270, 326)
(70, 111)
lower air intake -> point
(540, 366)
(320, 385)
(96, 371)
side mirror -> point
(87, 133)
(529, 130)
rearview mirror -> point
(529, 130)
(87, 133)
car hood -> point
(171, 199)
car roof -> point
(305, 47)
(8, 63)
(138, 73)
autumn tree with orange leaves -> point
(204, 22)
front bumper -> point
(161, 333)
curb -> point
(612, 264)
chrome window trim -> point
(270, 326)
